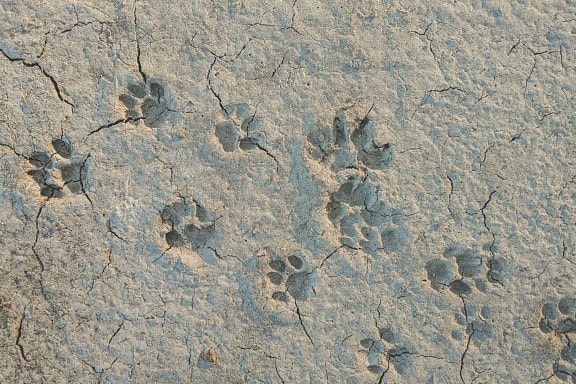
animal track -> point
(346, 148)
(355, 209)
(365, 221)
(189, 224)
(237, 128)
(290, 273)
(62, 170)
(559, 316)
(388, 350)
(479, 324)
(471, 265)
(149, 101)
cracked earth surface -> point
(287, 192)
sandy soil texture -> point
(287, 191)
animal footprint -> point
(62, 170)
(365, 221)
(297, 282)
(471, 265)
(387, 351)
(237, 128)
(559, 316)
(189, 224)
(346, 148)
(150, 102)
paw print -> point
(62, 170)
(298, 282)
(479, 325)
(365, 221)
(188, 224)
(346, 148)
(559, 316)
(441, 273)
(237, 128)
(387, 351)
(471, 266)
(149, 102)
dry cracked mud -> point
(287, 192)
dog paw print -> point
(477, 324)
(189, 224)
(149, 102)
(290, 274)
(236, 127)
(441, 273)
(387, 351)
(346, 147)
(365, 221)
(62, 170)
(559, 316)
(471, 266)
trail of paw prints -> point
(559, 316)
(236, 127)
(190, 225)
(344, 147)
(387, 352)
(61, 171)
(364, 220)
(290, 277)
(149, 102)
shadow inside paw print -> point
(189, 224)
(150, 102)
(298, 283)
(237, 128)
(62, 170)
(335, 144)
